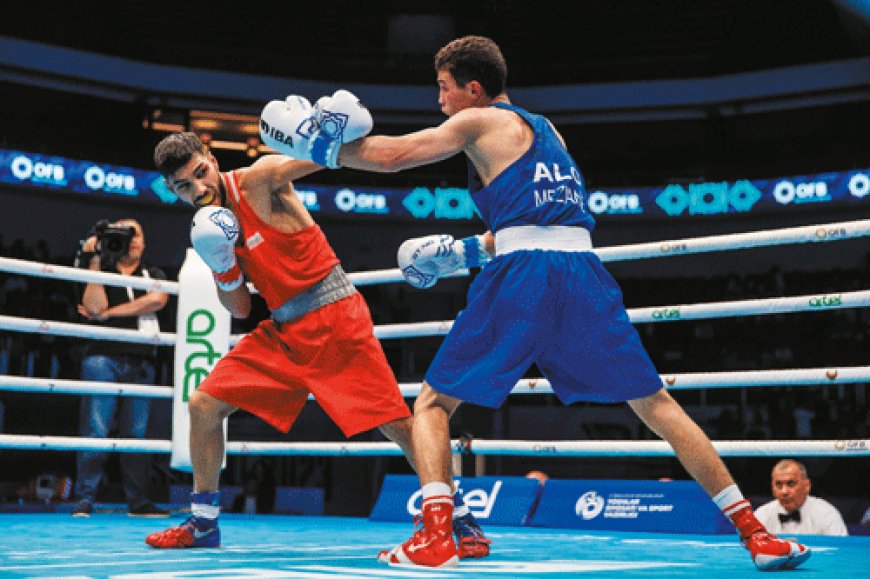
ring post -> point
(202, 337)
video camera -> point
(113, 242)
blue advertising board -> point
(492, 500)
(421, 203)
(622, 505)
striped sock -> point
(738, 510)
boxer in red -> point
(319, 339)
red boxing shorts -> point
(331, 353)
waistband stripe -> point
(543, 237)
(334, 287)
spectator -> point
(118, 248)
(795, 510)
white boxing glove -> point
(213, 233)
(340, 118)
(425, 259)
(287, 126)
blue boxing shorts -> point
(560, 310)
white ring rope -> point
(68, 273)
(693, 381)
(655, 314)
(62, 386)
(787, 236)
(52, 328)
(550, 448)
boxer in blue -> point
(543, 297)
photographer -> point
(117, 248)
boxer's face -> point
(790, 487)
(453, 98)
(198, 181)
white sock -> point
(728, 499)
(201, 511)
(433, 489)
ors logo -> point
(589, 505)
(197, 365)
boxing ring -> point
(109, 545)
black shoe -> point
(84, 508)
(148, 510)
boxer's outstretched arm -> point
(386, 154)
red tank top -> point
(279, 264)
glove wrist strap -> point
(475, 253)
(230, 279)
(324, 149)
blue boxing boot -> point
(471, 543)
(200, 530)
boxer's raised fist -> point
(287, 126)
(213, 233)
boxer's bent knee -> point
(205, 407)
(431, 399)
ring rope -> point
(63, 386)
(655, 314)
(821, 233)
(688, 381)
(53, 328)
(554, 448)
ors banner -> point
(629, 505)
(203, 336)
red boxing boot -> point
(769, 552)
(432, 544)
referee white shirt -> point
(818, 517)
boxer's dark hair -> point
(174, 152)
(474, 58)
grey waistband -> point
(333, 287)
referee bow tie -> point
(792, 516)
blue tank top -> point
(543, 187)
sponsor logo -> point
(109, 181)
(349, 201)
(544, 448)
(479, 501)
(304, 129)
(676, 247)
(614, 204)
(786, 192)
(708, 198)
(859, 185)
(447, 203)
(200, 325)
(25, 169)
(666, 314)
(826, 301)
(226, 221)
(589, 505)
(831, 374)
(831, 233)
(852, 445)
